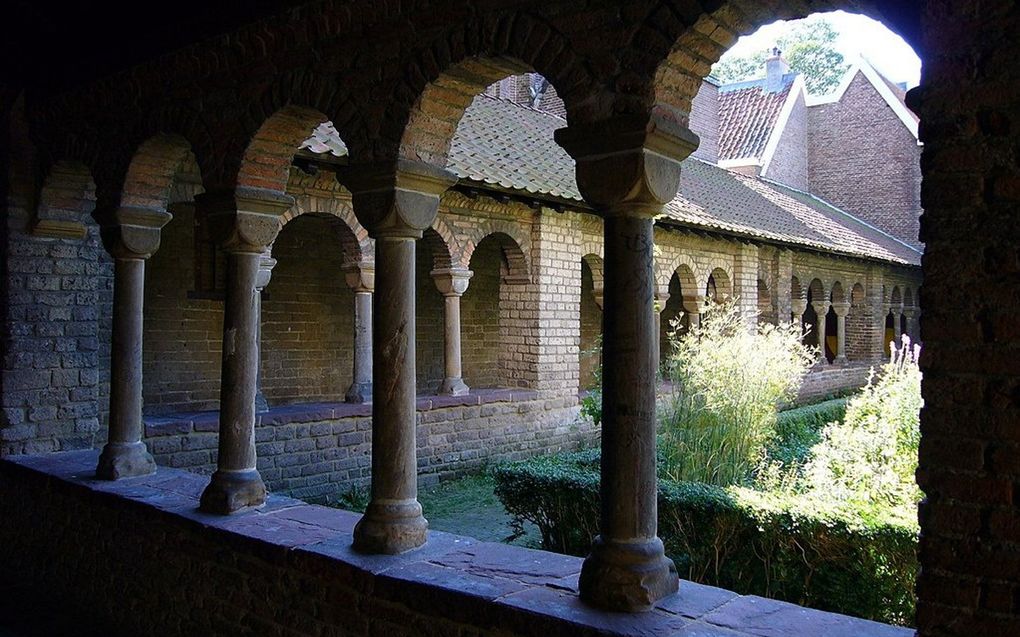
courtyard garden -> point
(815, 505)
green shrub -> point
(591, 402)
(778, 545)
(868, 461)
(728, 380)
(799, 429)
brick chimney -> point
(775, 68)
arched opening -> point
(836, 300)
(766, 308)
(816, 299)
(430, 319)
(308, 313)
(494, 332)
(590, 356)
(718, 289)
(675, 315)
(892, 319)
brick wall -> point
(182, 334)
(483, 316)
(705, 121)
(307, 317)
(863, 159)
(789, 165)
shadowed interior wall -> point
(182, 335)
(307, 317)
(430, 323)
(481, 316)
(591, 329)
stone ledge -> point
(491, 587)
(204, 421)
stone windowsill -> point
(196, 421)
(476, 583)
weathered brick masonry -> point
(606, 59)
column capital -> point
(135, 231)
(628, 164)
(798, 306)
(360, 277)
(266, 265)
(396, 198)
(452, 281)
(841, 309)
(821, 308)
(244, 219)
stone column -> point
(841, 310)
(821, 310)
(130, 242)
(908, 313)
(897, 331)
(361, 279)
(395, 202)
(266, 265)
(248, 224)
(628, 167)
(452, 283)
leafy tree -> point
(808, 46)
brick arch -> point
(692, 297)
(816, 291)
(594, 247)
(908, 297)
(521, 265)
(353, 237)
(451, 70)
(837, 295)
(445, 242)
(518, 270)
(723, 283)
(895, 298)
(67, 196)
(682, 40)
(439, 248)
(597, 267)
(683, 266)
(265, 163)
(765, 302)
(858, 295)
(153, 169)
(797, 291)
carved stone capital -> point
(135, 232)
(266, 265)
(452, 281)
(245, 219)
(798, 306)
(629, 164)
(821, 308)
(360, 277)
(396, 199)
(841, 309)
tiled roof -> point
(748, 115)
(510, 147)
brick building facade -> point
(91, 168)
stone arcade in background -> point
(213, 134)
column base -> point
(124, 460)
(840, 360)
(627, 576)
(359, 393)
(454, 387)
(233, 491)
(391, 528)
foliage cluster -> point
(728, 381)
(809, 49)
(773, 544)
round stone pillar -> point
(841, 310)
(627, 169)
(266, 265)
(131, 241)
(821, 310)
(361, 279)
(395, 202)
(247, 223)
(452, 283)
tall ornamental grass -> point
(868, 461)
(729, 379)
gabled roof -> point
(505, 146)
(748, 115)
(893, 95)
